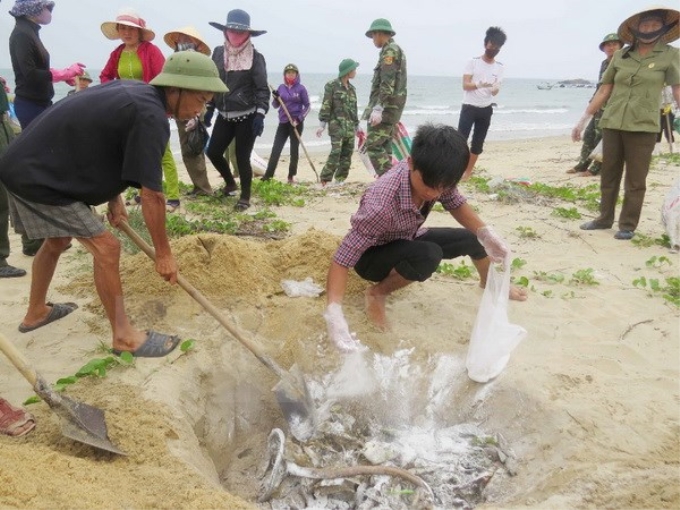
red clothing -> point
(151, 57)
(387, 213)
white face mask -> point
(44, 17)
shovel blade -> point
(79, 421)
(296, 404)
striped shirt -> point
(387, 213)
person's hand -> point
(483, 85)
(207, 118)
(258, 124)
(494, 246)
(320, 131)
(68, 74)
(338, 330)
(578, 129)
(166, 266)
(376, 115)
(276, 94)
(191, 124)
(495, 88)
(361, 136)
(116, 212)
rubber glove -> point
(207, 118)
(258, 124)
(376, 115)
(582, 123)
(276, 94)
(494, 246)
(361, 136)
(338, 330)
(67, 74)
(320, 131)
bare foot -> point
(518, 293)
(375, 309)
(586, 173)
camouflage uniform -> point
(592, 135)
(388, 89)
(339, 110)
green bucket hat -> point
(291, 67)
(346, 67)
(380, 25)
(609, 38)
(190, 70)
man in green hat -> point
(388, 95)
(592, 135)
(339, 112)
(94, 146)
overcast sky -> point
(550, 39)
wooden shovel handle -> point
(18, 360)
(207, 305)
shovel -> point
(291, 391)
(80, 422)
(297, 135)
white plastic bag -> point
(305, 288)
(493, 337)
(597, 152)
(670, 216)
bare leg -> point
(105, 250)
(482, 266)
(44, 264)
(471, 165)
(376, 295)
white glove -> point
(494, 246)
(319, 131)
(191, 124)
(495, 88)
(376, 115)
(338, 330)
(582, 123)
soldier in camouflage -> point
(592, 134)
(388, 95)
(339, 112)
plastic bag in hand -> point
(197, 138)
(493, 336)
(494, 246)
(338, 329)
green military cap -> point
(190, 70)
(380, 25)
(291, 67)
(347, 66)
(609, 38)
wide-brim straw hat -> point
(173, 36)
(671, 17)
(237, 19)
(130, 18)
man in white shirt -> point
(482, 80)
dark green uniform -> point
(339, 110)
(592, 135)
(388, 89)
(6, 136)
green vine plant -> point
(570, 213)
(670, 291)
(462, 271)
(584, 277)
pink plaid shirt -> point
(387, 213)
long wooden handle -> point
(297, 135)
(207, 305)
(18, 360)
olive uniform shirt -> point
(388, 88)
(638, 82)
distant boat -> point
(545, 86)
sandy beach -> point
(589, 403)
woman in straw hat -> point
(138, 59)
(183, 39)
(631, 88)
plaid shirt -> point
(387, 213)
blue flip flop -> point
(59, 311)
(156, 345)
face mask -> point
(237, 38)
(491, 53)
(44, 18)
(650, 37)
(290, 81)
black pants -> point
(481, 118)
(416, 260)
(223, 133)
(284, 132)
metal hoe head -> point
(296, 404)
(79, 421)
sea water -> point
(521, 111)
